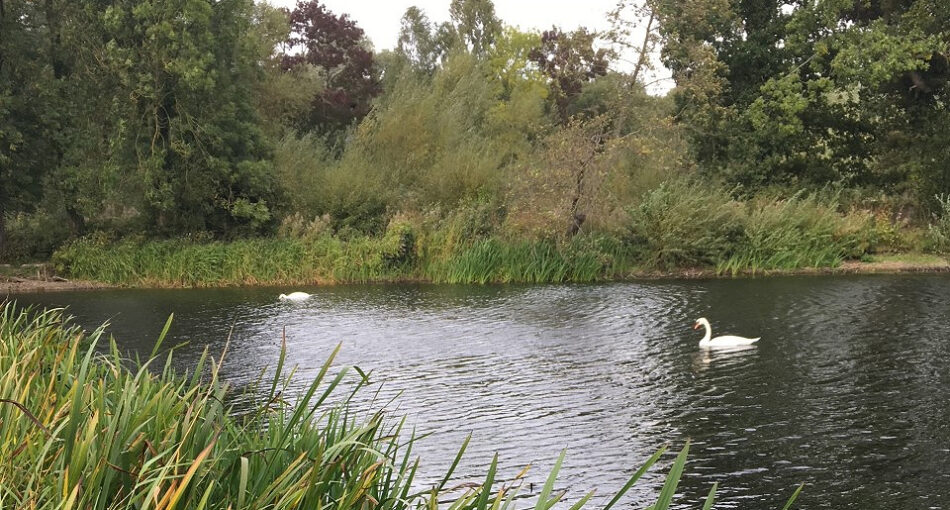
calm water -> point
(847, 390)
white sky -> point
(380, 18)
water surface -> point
(847, 390)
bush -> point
(797, 232)
(297, 226)
(33, 236)
(685, 223)
(938, 232)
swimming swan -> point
(294, 296)
(720, 341)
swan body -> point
(294, 296)
(720, 341)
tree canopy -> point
(226, 119)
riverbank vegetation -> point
(82, 427)
(676, 225)
(196, 143)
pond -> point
(846, 391)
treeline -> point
(209, 120)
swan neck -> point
(708, 336)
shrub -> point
(938, 232)
(33, 236)
(797, 232)
(685, 223)
(297, 226)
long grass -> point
(686, 223)
(85, 430)
(329, 259)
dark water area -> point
(848, 391)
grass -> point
(329, 259)
(914, 259)
(85, 430)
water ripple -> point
(845, 392)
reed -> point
(685, 223)
(397, 256)
(80, 429)
(801, 231)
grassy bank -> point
(333, 260)
(681, 227)
(81, 430)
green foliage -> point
(32, 237)
(404, 252)
(689, 224)
(188, 118)
(938, 232)
(685, 223)
(580, 260)
(817, 93)
(801, 231)
(399, 243)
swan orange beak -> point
(696, 326)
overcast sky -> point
(380, 18)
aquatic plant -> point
(83, 428)
(801, 231)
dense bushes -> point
(938, 232)
(684, 223)
(681, 224)
(688, 223)
(259, 123)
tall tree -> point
(28, 117)
(475, 24)
(419, 41)
(189, 127)
(762, 84)
(339, 47)
(569, 60)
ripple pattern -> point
(845, 392)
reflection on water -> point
(846, 391)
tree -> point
(626, 19)
(419, 41)
(761, 85)
(474, 24)
(28, 118)
(189, 128)
(336, 45)
(280, 95)
(569, 60)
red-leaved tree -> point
(339, 47)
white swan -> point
(720, 341)
(294, 296)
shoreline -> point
(886, 264)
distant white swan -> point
(720, 341)
(294, 296)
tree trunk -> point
(3, 223)
(3, 19)
(641, 63)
